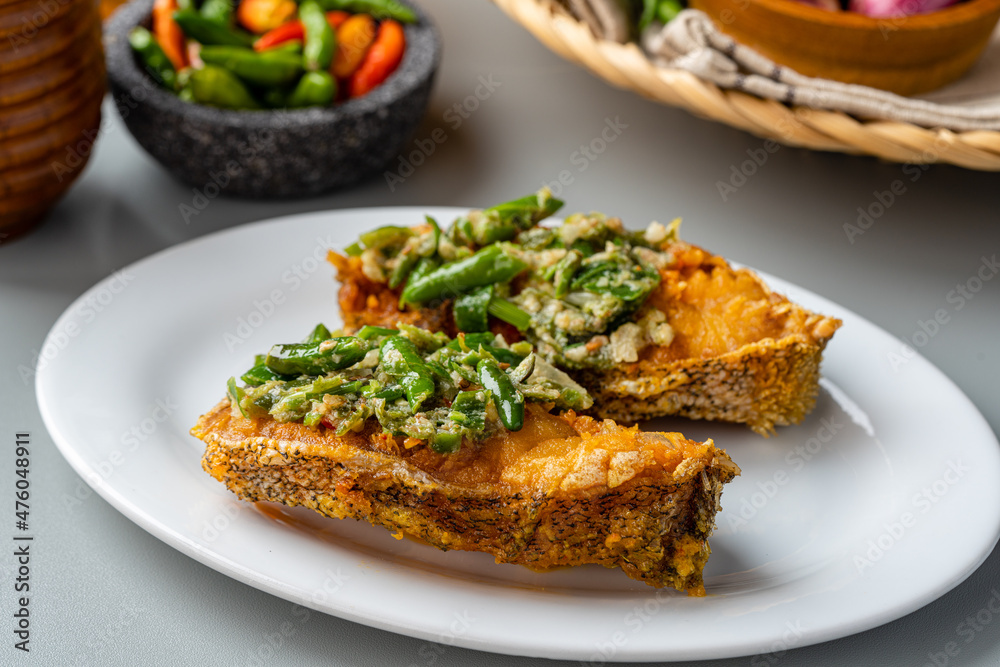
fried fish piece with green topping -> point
(649, 324)
(454, 442)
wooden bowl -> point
(51, 87)
(905, 55)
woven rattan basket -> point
(626, 66)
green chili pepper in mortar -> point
(156, 62)
(313, 89)
(380, 9)
(321, 42)
(271, 68)
(218, 87)
(209, 32)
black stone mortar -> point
(276, 153)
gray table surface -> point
(106, 592)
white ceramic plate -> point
(886, 497)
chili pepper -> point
(469, 410)
(489, 265)
(370, 331)
(316, 358)
(220, 11)
(382, 59)
(259, 16)
(390, 393)
(319, 334)
(272, 68)
(320, 39)
(168, 33)
(354, 37)
(504, 221)
(337, 17)
(527, 211)
(283, 33)
(208, 32)
(405, 263)
(415, 249)
(218, 87)
(293, 30)
(260, 374)
(429, 246)
(382, 9)
(562, 275)
(383, 236)
(155, 61)
(313, 89)
(291, 46)
(399, 358)
(471, 309)
(425, 266)
(446, 442)
(508, 400)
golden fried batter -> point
(564, 490)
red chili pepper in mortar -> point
(286, 32)
(382, 59)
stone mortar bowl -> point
(271, 153)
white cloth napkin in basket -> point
(691, 42)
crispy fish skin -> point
(766, 384)
(566, 490)
(741, 353)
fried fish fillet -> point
(564, 490)
(740, 352)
